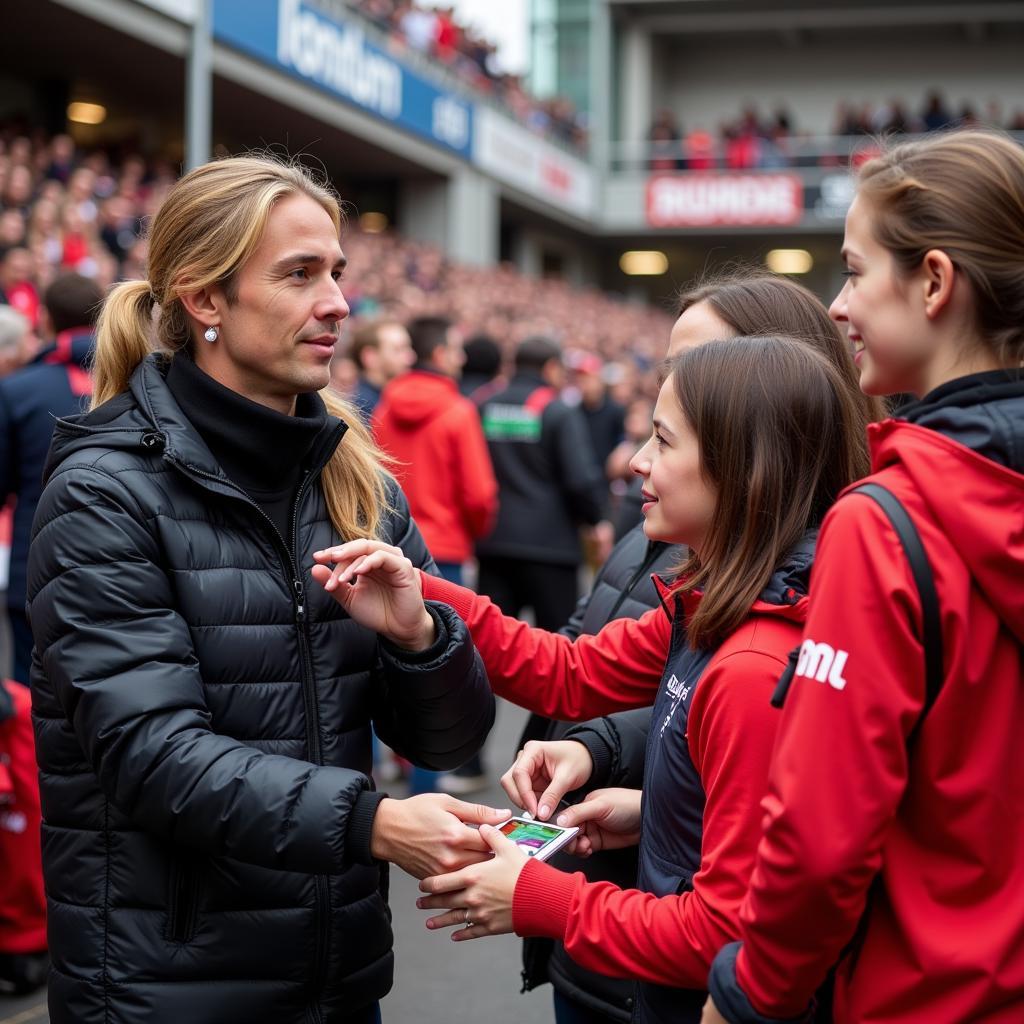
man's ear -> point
(204, 305)
(938, 280)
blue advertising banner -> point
(336, 57)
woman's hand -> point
(379, 587)
(544, 772)
(608, 819)
(477, 899)
(711, 1014)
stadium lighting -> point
(87, 113)
(373, 223)
(645, 262)
(789, 261)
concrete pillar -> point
(473, 218)
(635, 84)
(526, 253)
(423, 210)
(600, 84)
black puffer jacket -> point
(202, 714)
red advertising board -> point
(715, 200)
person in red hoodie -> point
(752, 443)
(435, 437)
(894, 823)
(23, 957)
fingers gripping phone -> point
(535, 838)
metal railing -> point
(825, 153)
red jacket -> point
(443, 465)
(944, 825)
(731, 731)
(22, 901)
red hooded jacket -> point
(941, 824)
(22, 901)
(730, 732)
(443, 464)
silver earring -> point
(211, 334)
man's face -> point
(278, 336)
(394, 351)
(451, 356)
(16, 268)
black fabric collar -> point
(258, 448)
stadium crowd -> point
(773, 141)
(437, 33)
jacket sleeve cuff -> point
(732, 1001)
(437, 589)
(541, 901)
(600, 753)
(434, 653)
(360, 826)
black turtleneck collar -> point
(261, 450)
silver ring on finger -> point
(469, 923)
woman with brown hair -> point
(752, 443)
(895, 810)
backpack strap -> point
(920, 568)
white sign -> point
(704, 200)
(517, 157)
(336, 56)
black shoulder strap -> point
(931, 623)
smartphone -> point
(537, 838)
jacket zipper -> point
(309, 697)
(184, 909)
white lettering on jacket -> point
(822, 662)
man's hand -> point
(544, 772)
(478, 898)
(711, 1014)
(379, 587)
(431, 834)
(608, 819)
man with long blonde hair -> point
(213, 848)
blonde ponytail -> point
(122, 338)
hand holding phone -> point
(537, 839)
(608, 819)
(544, 772)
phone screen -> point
(531, 836)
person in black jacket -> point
(214, 851)
(549, 485)
(54, 383)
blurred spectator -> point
(936, 115)
(17, 287)
(54, 384)
(381, 351)
(435, 434)
(344, 375)
(16, 340)
(549, 484)
(604, 417)
(666, 146)
(481, 370)
(23, 958)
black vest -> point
(673, 797)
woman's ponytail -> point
(122, 338)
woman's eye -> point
(659, 441)
(338, 275)
(849, 273)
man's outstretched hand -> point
(432, 834)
